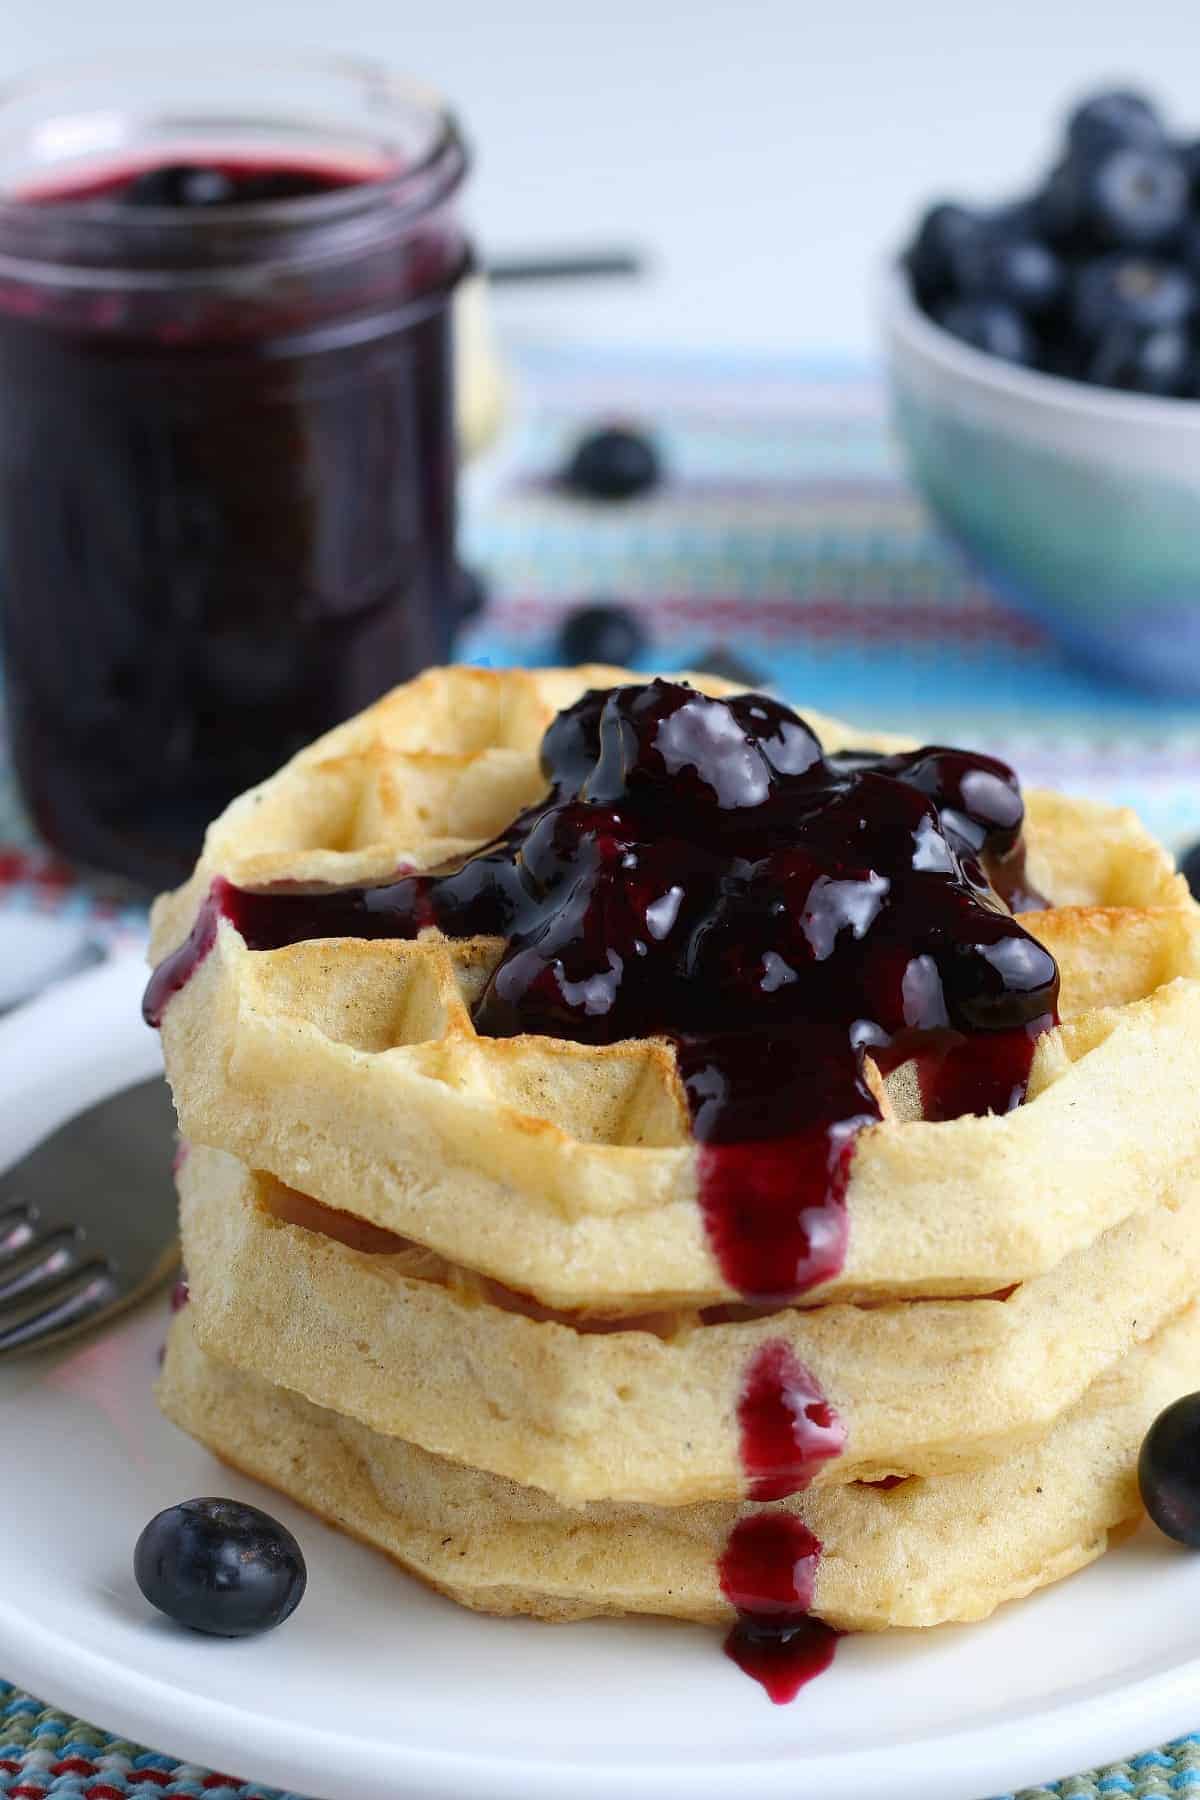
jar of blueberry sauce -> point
(226, 432)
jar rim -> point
(80, 236)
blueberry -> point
(1169, 1471)
(1112, 120)
(990, 325)
(1189, 868)
(1189, 248)
(944, 230)
(722, 660)
(613, 464)
(221, 1567)
(1189, 156)
(1144, 362)
(602, 633)
(180, 184)
(1136, 293)
(470, 592)
(279, 184)
(1058, 207)
(1019, 270)
(1135, 199)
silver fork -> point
(87, 1219)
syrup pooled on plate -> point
(701, 870)
(768, 1572)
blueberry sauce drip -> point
(786, 1426)
(768, 1573)
(701, 871)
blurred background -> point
(763, 155)
(763, 164)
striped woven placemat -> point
(786, 534)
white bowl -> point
(1079, 504)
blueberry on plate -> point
(613, 464)
(1135, 199)
(180, 184)
(989, 325)
(1018, 270)
(1140, 293)
(1169, 1471)
(1189, 868)
(220, 1567)
(602, 633)
(943, 233)
(1110, 120)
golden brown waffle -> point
(391, 1335)
(351, 1071)
(927, 1551)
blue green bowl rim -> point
(899, 312)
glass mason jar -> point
(226, 433)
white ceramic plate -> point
(377, 1690)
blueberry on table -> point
(730, 665)
(613, 464)
(220, 1567)
(1135, 199)
(180, 184)
(470, 592)
(1111, 120)
(990, 325)
(602, 633)
(1169, 1471)
(1189, 868)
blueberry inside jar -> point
(226, 439)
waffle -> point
(950, 1547)
(456, 1291)
(350, 1070)
(392, 1336)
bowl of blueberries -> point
(1045, 369)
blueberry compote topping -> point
(700, 870)
(786, 1426)
(768, 1572)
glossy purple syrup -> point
(768, 1572)
(226, 488)
(699, 870)
(786, 1426)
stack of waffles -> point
(467, 1296)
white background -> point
(765, 154)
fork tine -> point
(18, 1227)
(47, 1259)
(86, 1291)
